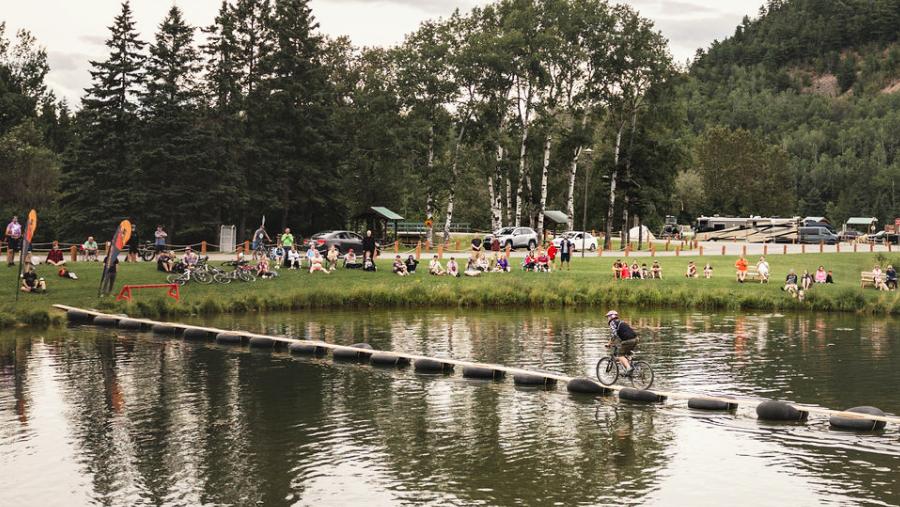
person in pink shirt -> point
(821, 275)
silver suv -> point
(513, 237)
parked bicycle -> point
(242, 271)
(147, 251)
(197, 274)
(609, 369)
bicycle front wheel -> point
(203, 276)
(642, 376)
(607, 371)
(179, 279)
(222, 278)
(148, 254)
(247, 276)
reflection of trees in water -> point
(14, 357)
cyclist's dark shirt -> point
(791, 279)
(622, 330)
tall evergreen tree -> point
(176, 175)
(101, 172)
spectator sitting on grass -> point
(293, 257)
(278, 254)
(399, 267)
(691, 270)
(481, 263)
(707, 271)
(790, 283)
(821, 275)
(829, 278)
(645, 273)
(529, 263)
(636, 271)
(878, 278)
(543, 261)
(411, 264)
(262, 268)
(617, 269)
(890, 277)
(31, 282)
(369, 263)
(452, 267)
(350, 260)
(165, 262)
(55, 256)
(90, 249)
(741, 267)
(311, 252)
(332, 257)
(472, 268)
(656, 270)
(318, 264)
(762, 268)
(435, 268)
(502, 265)
(624, 271)
(190, 258)
(806, 280)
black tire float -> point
(482, 372)
(262, 342)
(130, 324)
(640, 395)
(779, 411)
(229, 339)
(711, 404)
(352, 355)
(584, 385)
(307, 349)
(106, 320)
(388, 359)
(533, 380)
(857, 424)
(193, 333)
(79, 316)
(431, 366)
(164, 329)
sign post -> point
(30, 227)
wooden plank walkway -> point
(673, 395)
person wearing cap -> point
(190, 258)
(623, 338)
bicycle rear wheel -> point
(222, 278)
(247, 276)
(642, 376)
(607, 371)
(148, 254)
(179, 279)
(202, 276)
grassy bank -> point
(588, 284)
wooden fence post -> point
(803, 248)
(203, 247)
(667, 244)
(74, 251)
(854, 247)
(418, 250)
(652, 251)
(246, 247)
(743, 250)
(396, 246)
(838, 247)
(765, 249)
(508, 249)
(457, 245)
(723, 249)
(871, 247)
(821, 246)
(701, 251)
(677, 251)
(440, 251)
(627, 249)
(785, 249)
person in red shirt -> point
(55, 256)
(741, 266)
(551, 252)
(626, 272)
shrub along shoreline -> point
(588, 285)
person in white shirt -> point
(294, 258)
(762, 267)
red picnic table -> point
(126, 290)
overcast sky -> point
(74, 30)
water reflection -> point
(90, 417)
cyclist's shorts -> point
(627, 346)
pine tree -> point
(171, 140)
(101, 173)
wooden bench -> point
(173, 293)
(752, 273)
(867, 278)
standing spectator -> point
(551, 253)
(133, 244)
(13, 240)
(565, 253)
(369, 246)
(287, 239)
(159, 239)
(495, 244)
(90, 249)
(55, 256)
(762, 268)
(260, 237)
(741, 266)
(476, 244)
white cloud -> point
(74, 31)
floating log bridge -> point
(858, 418)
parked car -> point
(345, 240)
(581, 240)
(849, 235)
(882, 236)
(816, 235)
(514, 237)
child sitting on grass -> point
(656, 269)
(691, 270)
(502, 265)
(707, 271)
(399, 267)
(435, 267)
(529, 263)
(452, 267)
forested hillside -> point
(814, 83)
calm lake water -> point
(94, 416)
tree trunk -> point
(453, 177)
(626, 229)
(429, 196)
(543, 203)
(640, 233)
(522, 176)
(570, 197)
(495, 188)
(508, 209)
(613, 179)
(624, 236)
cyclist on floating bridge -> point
(623, 337)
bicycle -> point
(199, 275)
(609, 369)
(147, 251)
(242, 271)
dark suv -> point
(345, 240)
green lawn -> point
(589, 283)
